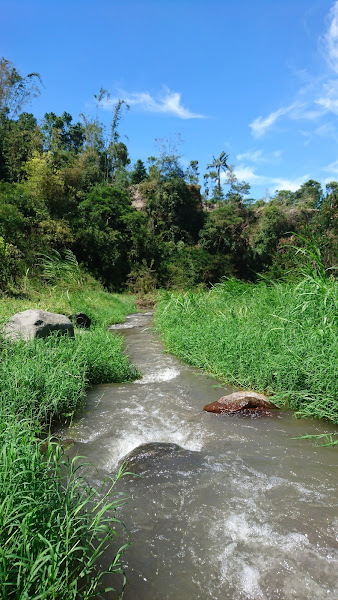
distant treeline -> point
(72, 185)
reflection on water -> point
(247, 513)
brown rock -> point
(239, 401)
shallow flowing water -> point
(242, 512)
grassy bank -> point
(279, 339)
(53, 526)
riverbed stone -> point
(36, 323)
(240, 401)
(156, 456)
(81, 320)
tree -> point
(309, 194)
(45, 182)
(102, 241)
(192, 174)
(168, 163)
(117, 152)
(139, 173)
(219, 164)
(175, 210)
(61, 135)
(238, 189)
(15, 90)
(19, 139)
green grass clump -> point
(54, 527)
(46, 379)
(280, 339)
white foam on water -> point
(133, 320)
(249, 579)
(163, 375)
(253, 551)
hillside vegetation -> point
(71, 185)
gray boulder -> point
(35, 323)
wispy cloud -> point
(332, 168)
(260, 125)
(331, 38)
(258, 157)
(319, 97)
(328, 101)
(243, 172)
(168, 103)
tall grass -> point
(54, 527)
(276, 338)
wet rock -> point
(81, 320)
(243, 402)
(36, 323)
(157, 456)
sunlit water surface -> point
(243, 512)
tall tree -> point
(15, 90)
(117, 153)
(218, 165)
(192, 174)
(139, 173)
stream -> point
(228, 507)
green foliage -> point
(10, 262)
(217, 166)
(272, 225)
(16, 90)
(139, 173)
(66, 184)
(192, 174)
(142, 279)
(175, 210)
(66, 269)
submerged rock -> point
(157, 455)
(243, 402)
(36, 323)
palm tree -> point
(219, 164)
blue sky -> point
(256, 78)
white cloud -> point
(331, 38)
(329, 98)
(257, 156)
(332, 168)
(290, 184)
(253, 156)
(295, 111)
(311, 104)
(260, 125)
(169, 103)
(245, 173)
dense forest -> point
(68, 184)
